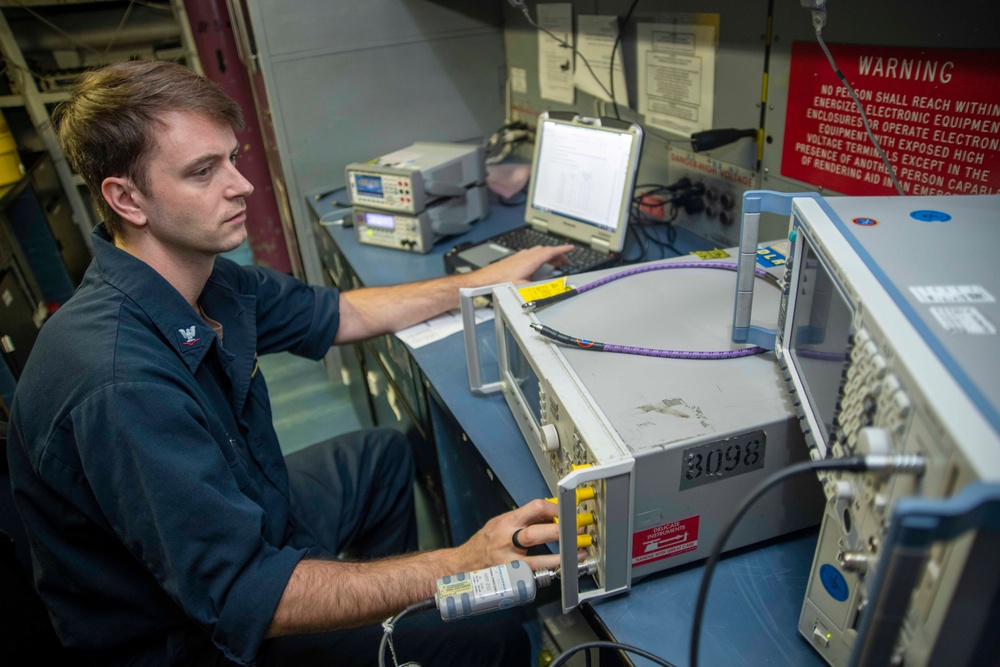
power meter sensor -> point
(482, 591)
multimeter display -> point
(380, 220)
(369, 185)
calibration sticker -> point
(669, 539)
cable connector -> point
(818, 9)
(586, 567)
(876, 463)
(692, 199)
(535, 304)
(896, 463)
(544, 577)
(709, 139)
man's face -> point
(195, 204)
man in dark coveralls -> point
(165, 526)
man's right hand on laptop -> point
(524, 264)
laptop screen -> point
(582, 177)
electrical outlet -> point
(714, 214)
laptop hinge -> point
(539, 225)
(600, 244)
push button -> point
(820, 636)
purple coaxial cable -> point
(596, 346)
(555, 298)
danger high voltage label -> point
(935, 112)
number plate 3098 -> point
(716, 461)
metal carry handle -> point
(615, 480)
(755, 202)
(916, 524)
(465, 300)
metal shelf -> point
(64, 38)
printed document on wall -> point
(676, 67)
(596, 37)
(555, 62)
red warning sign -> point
(935, 112)
(669, 539)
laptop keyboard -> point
(581, 258)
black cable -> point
(569, 653)
(639, 221)
(818, 21)
(618, 39)
(571, 47)
(669, 243)
(674, 190)
(644, 230)
(634, 231)
(851, 464)
(518, 4)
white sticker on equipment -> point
(951, 294)
(963, 320)
(490, 583)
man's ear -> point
(125, 199)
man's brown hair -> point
(109, 125)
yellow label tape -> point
(551, 288)
(717, 253)
(455, 588)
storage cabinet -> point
(385, 384)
